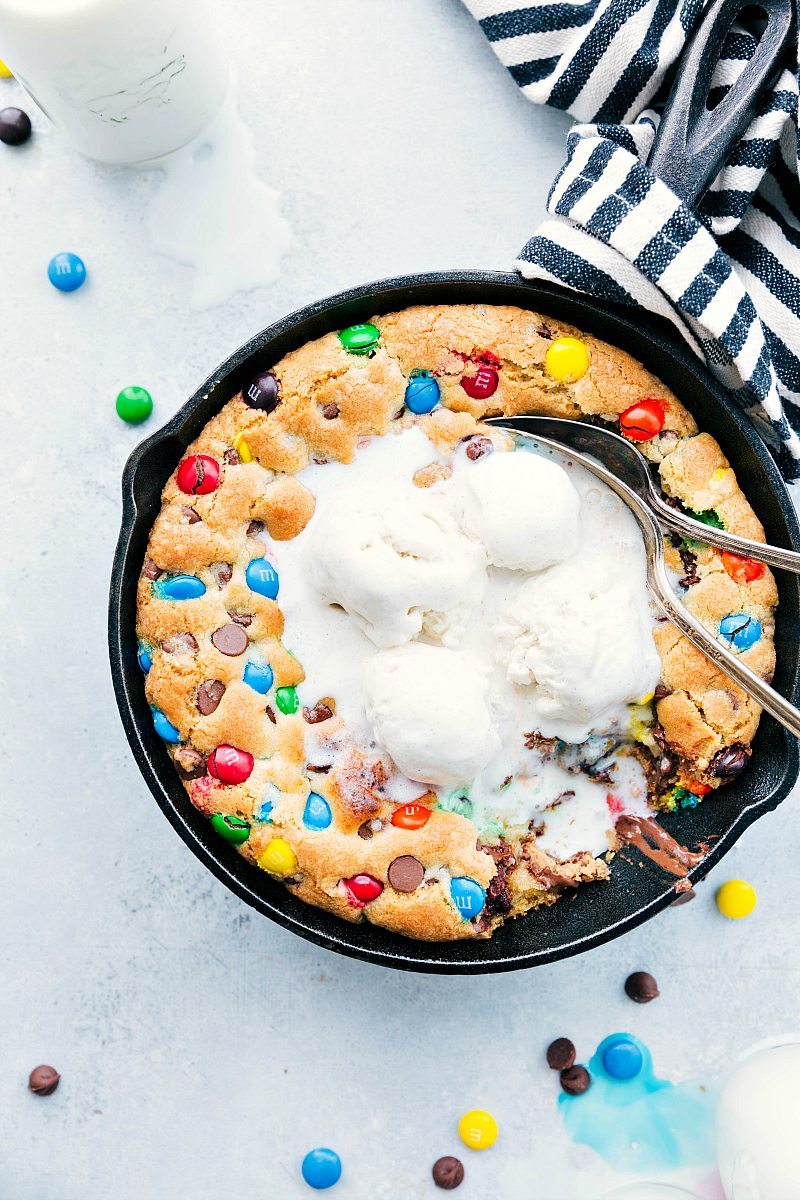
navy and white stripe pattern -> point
(729, 277)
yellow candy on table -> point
(736, 898)
(5, 72)
(567, 360)
(478, 1129)
(242, 449)
(278, 858)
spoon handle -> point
(757, 688)
(774, 556)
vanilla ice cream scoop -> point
(427, 706)
(392, 555)
(524, 508)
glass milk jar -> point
(125, 80)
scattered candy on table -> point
(567, 360)
(448, 1172)
(478, 1129)
(262, 392)
(5, 72)
(232, 829)
(622, 1058)
(321, 1168)
(741, 630)
(262, 578)
(360, 339)
(278, 859)
(575, 1080)
(164, 727)
(287, 700)
(180, 587)
(422, 393)
(740, 569)
(66, 272)
(561, 1054)
(641, 987)
(468, 896)
(134, 405)
(43, 1080)
(642, 420)
(482, 384)
(258, 675)
(15, 128)
(317, 812)
(229, 765)
(198, 475)
(736, 899)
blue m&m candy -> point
(262, 577)
(144, 658)
(66, 272)
(263, 812)
(622, 1058)
(741, 630)
(422, 393)
(258, 675)
(180, 587)
(317, 812)
(468, 896)
(322, 1168)
(164, 727)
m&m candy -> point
(268, 801)
(567, 360)
(180, 587)
(642, 420)
(262, 392)
(317, 812)
(287, 700)
(229, 765)
(262, 578)
(164, 727)
(482, 384)
(321, 1168)
(232, 829)
(422, 393)
(741, 630)
(478, 1129)
(411, 816)
(198, 475)
(622, 1058)
(278, 859)
(5, 72)
(258, 675)
(66, 272)
(360, 339)
(144, 657)
(134, 405)
(361, 889)
(740, 569)
(468, 896)
(736, 899)
(15, 126)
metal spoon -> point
(657, 578)
(628, 464)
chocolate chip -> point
(365, 831)
(190, 763)
(641, 987)
(179, 642)
(661, 691)
(222, 572)
(477, 447)
(729, 762)
(448, 1172)
(320, 712)
(43, 1080)
(330, 412)
(262, 392)
(15, 126)
(209, 695)
(406, 873)
(255, 528)
(150, 570)
(230, 639)
(270, 711)
(561, 1054)
(190, 515)
(575, 1081)
(317, 770)
(683, 897)
(231, 457)
(243, 619)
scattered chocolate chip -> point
(318, 770)
(406, 873)
(255, 528)
(641, 987)
(231, 457)
(15, 126)
(209, 695)
(262, 392)
(575, 1080)
(190, 515)
(561, 1054)
(179, 642)
(190, 763)
(689, 562)
(729, 762)
(478, 446)
(222, 572)
(230, 639)
(243, 619)
(683, 897)
(43, 1080)
(270, 711)
(661, 691)
(150, 570)
(448, 1173)
(330, 412)
(320, 712)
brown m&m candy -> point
(15, 126)
(43, 1080)
(561, 1054)
(641, 987)
(448, 1172)
(262, 392)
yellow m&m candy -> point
(567, 360)
(278, 859)
(477, 1129)
(5, 72)
(736, 898)
(242, 449)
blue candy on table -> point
(66, 272)
(322, 1168)
(164, 727)
(422, 393)
(180, 587)
(144, 657)
(740, 630)
(622, 1058)
(317, 812)
(258, 675)
(262, 577)
(468, 896)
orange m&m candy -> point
(740, 569)
(411, 816)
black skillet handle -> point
(693, 143)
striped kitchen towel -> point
(728, 277)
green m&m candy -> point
(360, 339)
(232, 829)
(287, 700)
(134, 405)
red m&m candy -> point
(229, 765)
(642, 420)
(198, 475)
(482, 384)
(411, 816)
(740, 569)
(362, 888)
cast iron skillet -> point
(598, 912)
